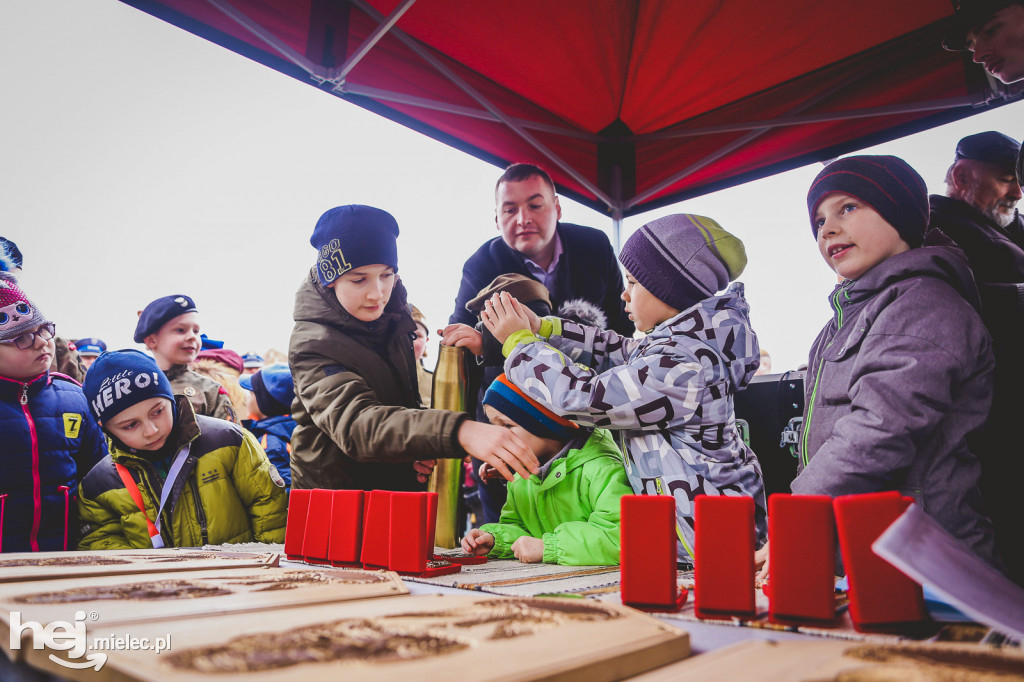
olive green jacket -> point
(227, 492)
(359, 422)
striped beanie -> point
(885, 183)
(507, 398)
(683, 259)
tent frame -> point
(613, 201)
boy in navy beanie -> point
(671, 392)
(359, 420)
(900, 379)
(172, 478)
(569, 512)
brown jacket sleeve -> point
(341, 403)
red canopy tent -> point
(631, 104)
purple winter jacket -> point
(897, 384)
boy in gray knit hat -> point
(668, 394)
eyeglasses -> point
(28, 339)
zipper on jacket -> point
(199, 508)
(37, 500)
(838, 307)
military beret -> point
(161, 311)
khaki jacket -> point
(207, 396)
(227, 492)
(359, 421)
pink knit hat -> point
(17, 313)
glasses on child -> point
(28, 339)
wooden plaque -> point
(114, 601)
(411, 638)
(56, 565)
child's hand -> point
(423, 469)
(761, 561)
(463, 336)
(504, 315)
(477, 542)
(528, 550)
(499, 447)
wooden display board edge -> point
(669, 645)
(394, 582)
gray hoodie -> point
(898, 382)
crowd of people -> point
(588, 386)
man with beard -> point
(993, 32)
(979, 214)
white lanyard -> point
(172, 475)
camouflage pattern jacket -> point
(669, 397)
(208, 398)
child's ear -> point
(150, 341)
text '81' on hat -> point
(352, 236)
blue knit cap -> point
(507, 398)
(348, 237)
(120, 379)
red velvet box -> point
(295, 526)
(881, 597)
(802, 559)
(723, 568)
(412, 535)
(346, 542)
(376, 529)
(318, 526)
(647, 553)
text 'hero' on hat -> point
(990, 147)
(160, 312)
(352, 236)
(120, 379)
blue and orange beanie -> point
(509, 399)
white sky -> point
(141, 161)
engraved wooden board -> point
(56, 565)
(113, 601)
(793, 660)
(420, 637)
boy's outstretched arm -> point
(654, 391)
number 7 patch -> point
(72, 423)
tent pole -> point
(339, 77)
(616, 207)
(319, 73)
(429, 58)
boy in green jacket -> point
(172, 478)
(569, 512)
